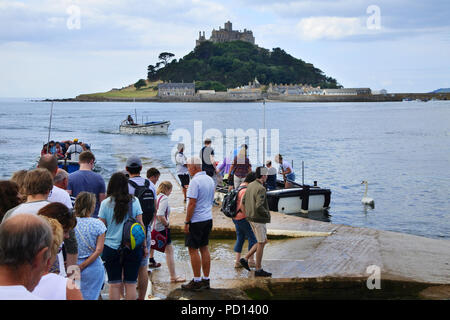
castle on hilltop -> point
(226, 35)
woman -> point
(161, 223)
(90, 233)
(19, 178)
(243, 228)
(182, 170)
(241, 167)
(60, 212)
(53, 286)
(121, 265)
(9, 196)
(286, 170)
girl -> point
(120, 266)
(161, 223)
(90, 233)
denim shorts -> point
(122, 270)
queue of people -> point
(81, 223)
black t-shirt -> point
(205, 155)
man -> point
(25, 242)
(57, 194)
(258, 214)
(207, 157)
(37, 184)
(61, 179)
(198, 224)
(74, 151)
(87, 180)
(153, 175)
(140, 187)
(271, 182)
(49, 162)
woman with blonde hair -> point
(90, 233)
(161, 223)
(53, 286)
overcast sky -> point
(62, 48)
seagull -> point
(366, 200)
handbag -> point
(159, 238)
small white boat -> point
(154, 127)
(299, 199)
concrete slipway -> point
(316, 260)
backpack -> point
(229, 203)
(146, 199)
(133, 232)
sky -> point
(63, 48)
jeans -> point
(243, 231)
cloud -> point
(315, 28)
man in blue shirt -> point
(87, 180)
(198, 224)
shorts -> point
(125, 271)
(184, 179)
(198, 235)
(260, 231)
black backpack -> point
(146, 199)
(229, 202)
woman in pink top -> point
(243, 228)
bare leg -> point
(114, 291)
(130, 293)
(206, 260)
(170, 261)
(196, 263)
(142, 282)
(259, 254)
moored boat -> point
(298, 199)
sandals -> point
(178, 279)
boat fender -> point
(305, 197)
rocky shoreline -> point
(392, 97)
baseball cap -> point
(133, 162)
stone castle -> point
(226, 35)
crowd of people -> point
(67, 149)
(60, 233)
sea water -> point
(401, 148)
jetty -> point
(311, 259)
(315, 260)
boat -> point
(153, 127)
(68, 165)
(299, 198)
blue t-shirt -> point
(202, 188)
(114, 230)
(87, 232)
(89, 181)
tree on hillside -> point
(141, 83)
(165, 57)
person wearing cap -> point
(87, 180)
(74, 151)
(133, 167)
(182, 171)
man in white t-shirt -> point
(74, 150)
(37, 183)
(25, 241)
(198, 224)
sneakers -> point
(194, 286)
(262, 273)
(244, 263)
(205, 284)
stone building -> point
(347, 92)
(227, 34)
(176, 89)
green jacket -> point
(255, 202)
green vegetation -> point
(217, 66)
(141, 83)
(150, 89)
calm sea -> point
(402, 149)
